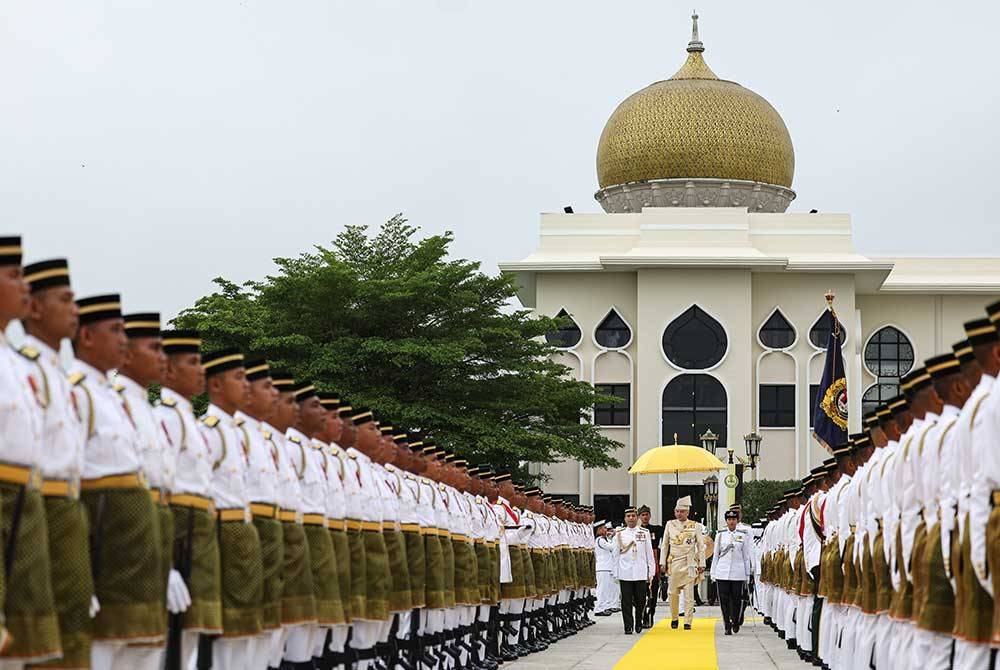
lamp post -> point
(712, 498)
(752, 441)
(709, 441)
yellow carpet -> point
(663, 647)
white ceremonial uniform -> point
(929, 649)
(63, 434)
(968, 460)
(226, 444)
(262, 487)
(732, 556)
(368, 506)
(635, 562)
(329, 458)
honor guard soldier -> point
(984, 507)
(298, 601)
(336, 522)
(124, 539)
(367, 628)
(145, 365)
(51, 318)
(682, 557)
(239, 543)
(975, 438)
(262, 489)
(196, 549)
(934, 607)
(656, 537)
(28, 605)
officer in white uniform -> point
(636, 567)
(607, 588)
(731, 568)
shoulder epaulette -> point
(76, 378)
(29, 352)
(267, 435)
(118, 388)
(354, 456)
(239, 421)
(169, 402)
(210, 421)
(295, 440)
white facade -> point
(738, 268)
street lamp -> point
(709, 440)
(711, 497)
(752, 441)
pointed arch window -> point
(693, 403)
(777, 332)
(613, 332)
(819, 334)
(694, 340)
(889, 353)
(567, 335)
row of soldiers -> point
(888, 556)
(283, 528)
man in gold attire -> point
(682, 559)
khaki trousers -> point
(679, 581)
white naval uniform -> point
(636, 563)
(368, 506)
(299, 642)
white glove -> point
(95, 606)
(178, 597)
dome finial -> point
(695, 44)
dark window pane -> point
(694, 340)
(879, 394)
(613, 332)
(813, 394)
(691, 405)
(777, 405)
(819, 334)
(613, 414)
(777, 332)
(568, 335)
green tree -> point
(760, 496)
(390, 322)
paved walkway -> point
(600, 647)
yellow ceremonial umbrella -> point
(676, 458)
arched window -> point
(613, 332)
(691, 405)
(878, 394)
(694, 340)
(777, 332)
(819, 334)
(568, 335)
(889, 353)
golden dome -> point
(695, 125)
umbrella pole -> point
(677, 484)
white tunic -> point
(229, 459)
(262, 466)
(634, 554)
(154, 450)
(111, 447)
(731, 558)
(21, 403)
(193, 473)
(63, 434)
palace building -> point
(699, 302)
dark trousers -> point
(730, 600)
(633, 601)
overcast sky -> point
(161, 144)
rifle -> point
(182, 558)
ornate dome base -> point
(701, 192)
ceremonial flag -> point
(830, 423)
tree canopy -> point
(390, 322)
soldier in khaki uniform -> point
(682, 559)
